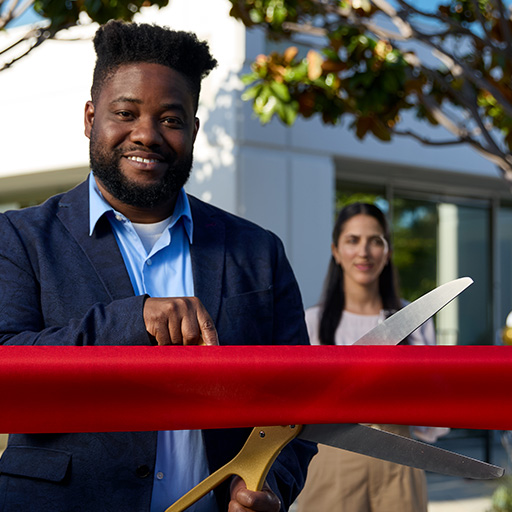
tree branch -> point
(7, 15)
(33, 32)
(491, 152)
(411, 8)
(304, 28)
(455, 28)
(481, 19)
(475, 113)
(504, 25)
(429, 142)
(453, 64)
(437, 113)
(40, 38)
(307, 28)
(401, 24)
(13, 11)
(23, 7)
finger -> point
(161, 335)
(261, 501)
(190, 331)
(182, 321)
(256, 501)
(234, 506)
(208, 332)
(155, 321)
(236, 485)
(174, 326)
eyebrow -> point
(357, 235)
(126, 99)
(165, 106)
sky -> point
(28, 17)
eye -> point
(124, 115)
(352, 240)
(378, 241)
(173, 122)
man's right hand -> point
(179, 321)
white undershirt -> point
(150, 233)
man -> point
(128, 258)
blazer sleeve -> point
(86, 322)
(288, 473)
(290, 325)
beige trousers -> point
(342, 481)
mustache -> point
(119, 152)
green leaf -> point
(291, 111)
(390, 82)
(297, 73)
(256, 16)
(280, 90)
(252, 92)
(249, 78)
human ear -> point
(88, 118)
(196, 128)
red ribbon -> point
(96, 389)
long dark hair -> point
(333, 297)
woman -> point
(361, 291)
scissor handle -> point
(252, 463)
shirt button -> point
(119, 218)
(142, 471)
(159, 475)
(149, 262)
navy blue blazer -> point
(60, 286)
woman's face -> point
(362, 251)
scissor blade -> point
(402, 450)
(398, 326)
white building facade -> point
(285, 179)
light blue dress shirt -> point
(163, 271)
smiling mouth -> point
(143, 160)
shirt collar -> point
(98, 206)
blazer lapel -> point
(101, 248)
(207, 252)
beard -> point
(105, 165)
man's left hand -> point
(244, 500)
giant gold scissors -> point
(265, 443)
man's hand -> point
(243, 500)
(179, 321)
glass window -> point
(353, 194)
(504, 233)
(464, 250)
(414, 227)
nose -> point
(364, 248)
(146, 132)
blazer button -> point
(142, 471)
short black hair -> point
(117, 43)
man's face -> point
(142, 129)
